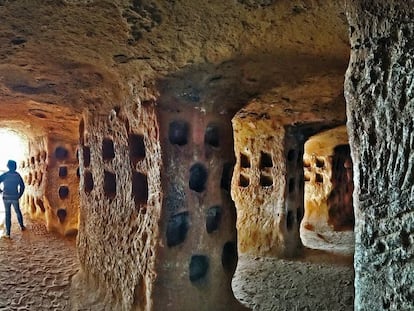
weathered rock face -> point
(156, 219)
(328, 180)
(379, 84)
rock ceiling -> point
(213, 55)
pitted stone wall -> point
(328, 180)
(52, 183)
(268, 186)
(196, 264)
(120, 206)
(380, 95)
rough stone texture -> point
(380, 84)
(196, 265)
(328, 181)
(46, 127)
(119, 211)
(268, 182)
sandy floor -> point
(36, 268)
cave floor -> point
(36, 268)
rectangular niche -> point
(266, 180)
(140, 188)
(136, 147)
(265, 160)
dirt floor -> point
(323, 279)
(36, 268)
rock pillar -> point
(379, 89)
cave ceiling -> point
(210, 55)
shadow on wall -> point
(228, 86)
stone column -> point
(379, 89)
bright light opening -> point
(14, 146)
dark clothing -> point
(7, 207)
(13, 185)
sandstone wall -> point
(328, 180)
(199, 254)
(52, 183)
(379, 91)
(120, 195)
(267, 187)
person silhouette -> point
(13, 188)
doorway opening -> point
(15, 147)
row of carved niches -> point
(199, 264)
(340, 203)
(136, 147)
(35, 204)
(139, 180)
(34, 160)
(265, 167)
(179, 224)
(33, 178)
(178, 133)
(314, 167)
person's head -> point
(11, 165)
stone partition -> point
(157, 224)
(328, 181)
(379, 92)
(199, 254)
(267, 208)
(52, 183)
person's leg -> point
(7, 206)
(18, 213)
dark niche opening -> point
(265, 160)
(291, 156)
(266, 181)
(198, 267)
(225, 182)
(198, 177)
(212, 135)
(319, 162)
(32, 160)
(140, 188)
(108, 151)
(61, 153)
(88, 182)
(178, 133)
(63, 192)
(244, 160)
(86, 156)
(136, 147)
(291, 185)
(109, 184)
(213, 218)
(63, 171)
(177, 229)
(43, 155)
(229, 257)
(290, 220)
(39, 203)
(318, 178)
(61, 214)
(78, 172)
(244, 181)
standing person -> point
(13, 188)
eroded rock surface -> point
(379, 84)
